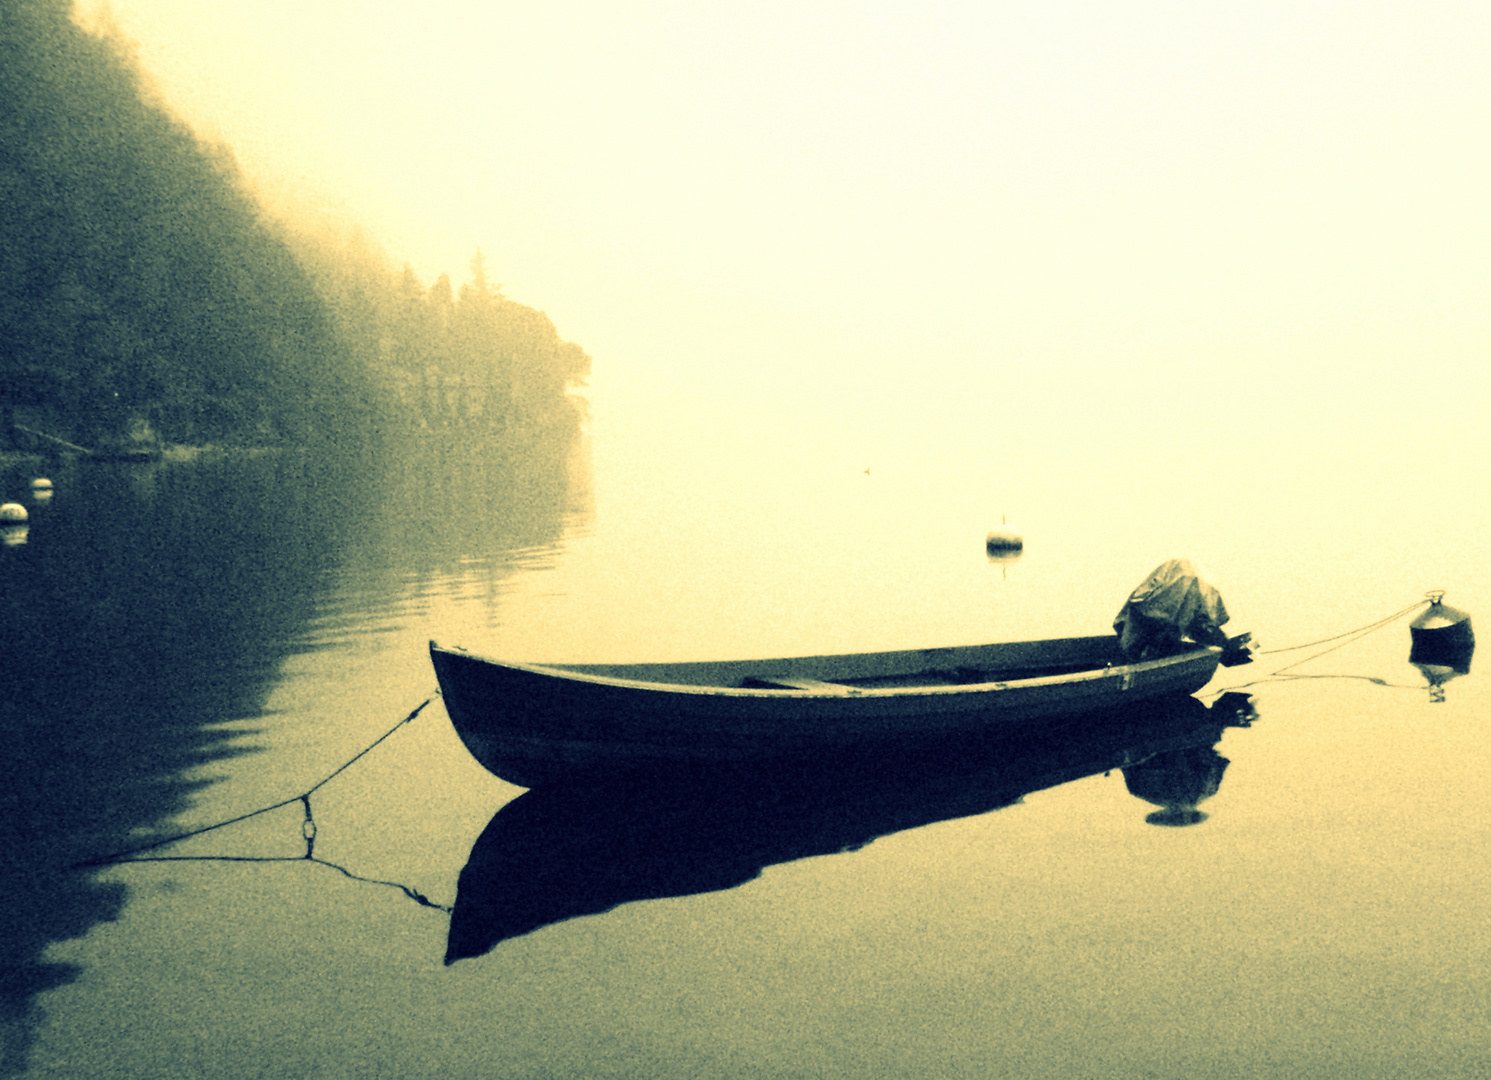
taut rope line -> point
(1345, 639)
(1362, 630)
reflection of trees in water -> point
(442, 505)
(148, 603)
(558, 853)
(153, 602)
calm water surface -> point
(193, 640)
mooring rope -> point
(307, 828)
(1345, 639)
(308, 824)
(1361, 630)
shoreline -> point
(173, 452)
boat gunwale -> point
(831, 690)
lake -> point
(192, 639)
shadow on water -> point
(446, 506)
(147, 603)
(148, 606)
(558, 853)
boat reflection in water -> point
(1176, 781)
(560, 852)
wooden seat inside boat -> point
(788, 682)
(958, 677)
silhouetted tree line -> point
(144, 293)
(472, 364)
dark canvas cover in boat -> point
(1171, 605)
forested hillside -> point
(144, 294)
(471, 364)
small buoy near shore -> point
(12, 514)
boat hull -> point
(536, 725)
(563, 851)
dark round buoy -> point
(1441, 635)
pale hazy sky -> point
(1281, 205)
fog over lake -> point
(574, 333)
(1328, 917)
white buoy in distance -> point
(1004, 542)
(41, 483)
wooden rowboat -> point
(540, 724)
